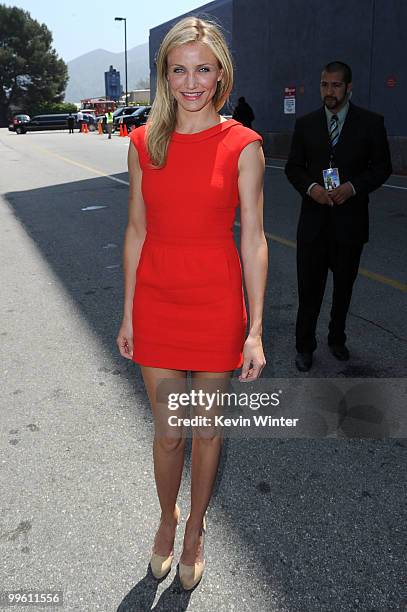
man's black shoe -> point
(303, 361)
(339, 351)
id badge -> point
(331, 178)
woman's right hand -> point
(125, 339)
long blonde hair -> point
(162, 119)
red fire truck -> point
(100, 106)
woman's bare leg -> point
(206, 448)
(168, 450)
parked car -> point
(123, 110)
(90, 120)
(89, 111)
(119, 112)
(57, 121)
(17, 122)
(137, 118)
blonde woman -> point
(184, 305)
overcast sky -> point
(79, 26)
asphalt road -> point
(303, 525)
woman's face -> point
(192, 73)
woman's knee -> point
(208, 436)
(170, 443)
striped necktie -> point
(334, 130)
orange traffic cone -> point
(83, 128)
(121, 130)
(86, 128)
(125, 132)
(100, 129)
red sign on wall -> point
(289, 100)
(289, 92)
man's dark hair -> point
(340, 67)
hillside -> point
(86, 72)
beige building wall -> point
(138, 96)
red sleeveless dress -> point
(188, 309)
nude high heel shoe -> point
(161, 565)
(190, 575)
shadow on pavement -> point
(142, 595)
(318, 521)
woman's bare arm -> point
(133, 242)
(254, 253)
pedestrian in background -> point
(71, 123)
(184, 306)
(243, 112)
(79, 118)
(109, 123)
(339, 154)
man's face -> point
(334, 91)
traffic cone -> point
(125, 132)
(121, 130)
(86, 128)
(83, 128)
(100, 129)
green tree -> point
(31, 73)
(47, 108)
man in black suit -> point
(334, 224)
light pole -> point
(125, 48)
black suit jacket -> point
(362, 156)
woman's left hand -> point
(253, 359)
